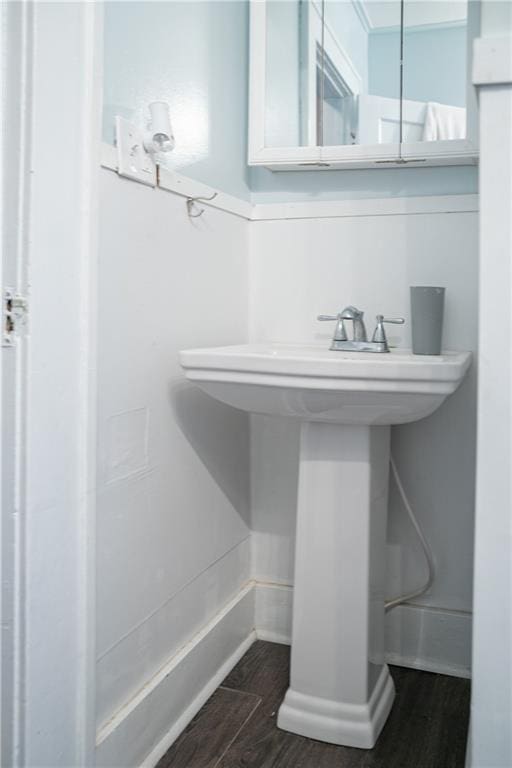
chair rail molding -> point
(179, 184)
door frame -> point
(15, 32)
(51, 695)
(490, 739)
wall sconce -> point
(159, 136)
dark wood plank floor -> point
(237, 728)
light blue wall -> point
(384, 64)
(194, 56)
(303, 186)
(434, 64)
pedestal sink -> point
(340, 687)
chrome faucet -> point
(359, 341)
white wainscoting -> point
(125, 667)
(172, 522)
(169, 701)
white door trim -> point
(490, 741)
(16, 68)
(54, 553)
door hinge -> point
(15, 310)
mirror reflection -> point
(435, 67)
(333, 72)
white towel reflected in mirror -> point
(444, 122)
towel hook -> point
(191, 201)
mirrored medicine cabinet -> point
(362, 83)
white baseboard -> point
(202, 697)
(273, 612)
(146, 726)
(430, 639)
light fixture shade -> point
(159, 137)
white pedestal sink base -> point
(352, 725)
(340, 688)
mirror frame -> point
(416, 154)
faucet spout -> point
(354, 314)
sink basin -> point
(312, 383)
(340, 687)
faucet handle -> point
(395, 320)
(327, 317)
(380, 334)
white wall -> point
(173, 498)
(300, 268)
